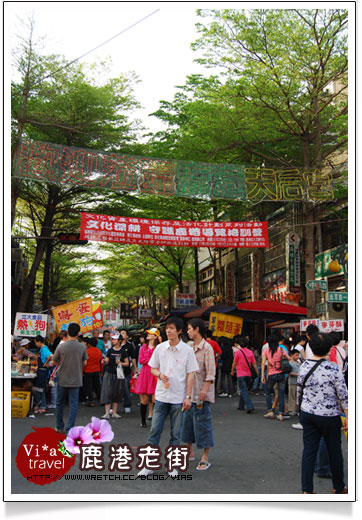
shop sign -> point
(322, 261)
(323, 325)
(30, 324)
(225, 325)
(184, 300)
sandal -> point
(203, 466)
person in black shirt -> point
(129, 351)
(112, 386)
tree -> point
(282, 103)
(66, 107)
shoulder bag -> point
(307, 376)
(253, 372)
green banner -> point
(67, 165)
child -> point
(292, 396)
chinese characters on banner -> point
(225, 325)
(68, 165)
(323, 325)
(30, 324)
(97, 316)
(106, 228)
(79, 311)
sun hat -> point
(24, 342)
(153, 331)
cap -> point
(24, 342)
(153, 331)
(115, 336)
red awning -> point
(197, 313)
(270, 306)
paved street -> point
(252, 455)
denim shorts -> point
(197, 426)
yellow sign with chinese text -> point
(79, 311)
(225, 325)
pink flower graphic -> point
(101, 430)
(76, 437)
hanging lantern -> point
(291, 297)
(297, 297)
(334, 266)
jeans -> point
(197, 426)
(257, 381)
(227, 382)
(280, 380)
(127, 392)
(243, 383)
(160, 413)
(321, 466)
(91, 382)
(73, 395)
(314, 427)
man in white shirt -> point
(174, 363)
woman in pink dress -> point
(146, 382)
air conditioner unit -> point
(337, 310)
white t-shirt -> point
(308, 352)
(175, 362)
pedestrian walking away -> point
(71, 356)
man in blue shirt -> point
(44, 359)
(100, 343)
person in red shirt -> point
(92, 370)
(217, 352)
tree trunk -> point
(41, 246)
(169, 299)
(46, 275)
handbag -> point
(285, 366)
(119, 370)
(253, 372)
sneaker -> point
(58, 430)
(286, 416)
(51, 406)
(173, 473)
(106, 416)
(269, 415)
(127, 410)
(116, 416)
(230, 395)
(144, 472)
(251, 411)
(280, 417)
(223, 395)
(297, 426)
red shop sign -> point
(125, 230)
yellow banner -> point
(225, 325)
(79, 311)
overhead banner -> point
(225, 325)
(125, 230)
(68, 165)
(79, 311)
(29, 324)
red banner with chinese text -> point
(125, 230)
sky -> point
(157, 48)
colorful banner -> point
(184, 300)
(67, 165)
(79, 311)
(325, 326)
(225, 325)
(125, 230)
(30, 324)
(97, 316)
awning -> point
(273, 307)
(197, 313)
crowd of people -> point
(306, 377)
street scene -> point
(182, 264)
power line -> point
(89, 52)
